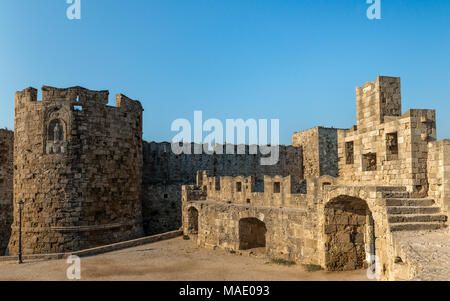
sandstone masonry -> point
(164, 173)
(364, 185)
(78, 168)
(320, 150)
(6, 187)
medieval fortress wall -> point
(335, 198)
(6, 187)
(164, 173)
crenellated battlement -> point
(75, 96)
(269, 185)
(274, 190)
(27, 95)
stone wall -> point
(386, 148)
(328, 152)
(6, 187)
(289, 232)
(276, 191)
(78, 169)
(161, 207)
(320, 151)
(438, 165)
(164, 173)
(218, 225)
(348, 234)
(161, 165)
(335, 227)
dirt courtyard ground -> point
(171, 260)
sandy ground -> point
(429, 252)
(174, 259)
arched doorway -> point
(349, 234)
(252, 233)
(192, 220)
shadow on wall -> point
(161, 207)
(192, 221)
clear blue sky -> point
(298, 61)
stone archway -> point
(252, 233)
(349, 234)
(192, 220)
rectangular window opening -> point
(391, 146)
(349, 152)
(239, 186)
(276, 187)
(370, 162)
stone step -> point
(395, 194)
(409, 202)
(416, 226)
(413, 210)
(413, 218)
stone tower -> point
(378, 99)
(78, 168)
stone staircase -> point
(412, 214)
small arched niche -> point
(56, 137)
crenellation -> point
(75, 95)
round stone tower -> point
(77, 168)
